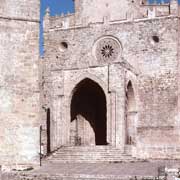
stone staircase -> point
(89, 154)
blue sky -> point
(57, 6)
(62, 6)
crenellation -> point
(135, 11)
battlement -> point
(83, 15)
(62, 21)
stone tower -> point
(96, 10)
(19, 91)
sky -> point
(62, 6)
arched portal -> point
(130, 114)
(88, 114)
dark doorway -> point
(89, 103)
(48, 125)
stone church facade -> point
(109, 79)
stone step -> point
(88, 157)
(98, 158)
(90, 149)
(81, 151)
(89, 154)
(90, 160)
(92, 156)
(94, 160)
(64, 154)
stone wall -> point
(19, 84)
(147, 57)
(20, 9)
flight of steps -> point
(90, 154)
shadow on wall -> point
(48, 125)
(131, 112)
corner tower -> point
(19, 91)
(96, 10)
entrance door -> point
(88, 115)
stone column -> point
(112, 123)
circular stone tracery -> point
(107, 49)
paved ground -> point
(106, 169)
(96, 171)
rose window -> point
(107, 49)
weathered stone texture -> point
(19, 88)
(120, 55)
(20, 9)
(147, 59)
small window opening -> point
(155, 39)
(63, 46)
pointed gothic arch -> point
(88, 114)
